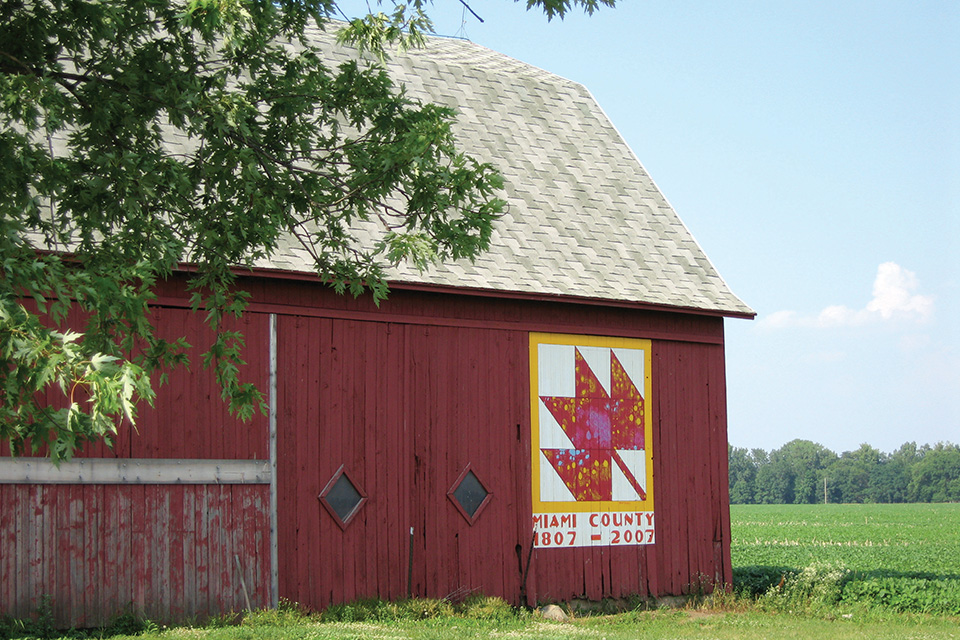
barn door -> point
(467, 411)
(344, 461)
(402, 461)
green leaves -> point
(96, 387)
(559, 8)
(136, 135)
(404, 28)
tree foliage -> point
(137, 135)
(797, 472)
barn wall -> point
(166, 552)
(404, 397)
(691, 447)
(411, 393)
(692, 517)
(188, 420)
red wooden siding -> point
(433, 308)
(690, 463)
(188, 419)
(405, 409)
(406, 406)
(163, 551)
(189, 405)
(403, 397)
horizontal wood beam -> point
(541, 326)
(133, 471)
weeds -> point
(364, 611)
(287, 613)
(39, 626)
(821, 587)
(491, 609)
(475, 607)
(815, 588)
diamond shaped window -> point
(342, 497)
(469, 495)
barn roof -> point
(583, 218)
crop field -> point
(913, 538)
(901, 556)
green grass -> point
(656, 624)
(909, 538)
(717, 624)
(730, 620)
(905, 558)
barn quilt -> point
(591, 458)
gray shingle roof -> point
(584, 219)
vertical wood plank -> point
(322, 459)
(374, 554)
(289, 373)
(26, 560)
(177, 572)
(397, 420)
(73, 537)
(91, 568)
(8, 544)
(203, 534)
(718, 403)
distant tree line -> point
(804, 472)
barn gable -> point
(423, 446)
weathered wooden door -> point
(343, 461)
(468, 405)
(402, 464)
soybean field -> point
(901, 556)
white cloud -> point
(841, 316)
(893, 294)
(894, 298)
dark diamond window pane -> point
(470, 494)
(343, 497)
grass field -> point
(900, 557)
(908, 538)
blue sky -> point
(813, 149)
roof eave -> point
(395, 285)
(570, 299)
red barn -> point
(544, 424)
